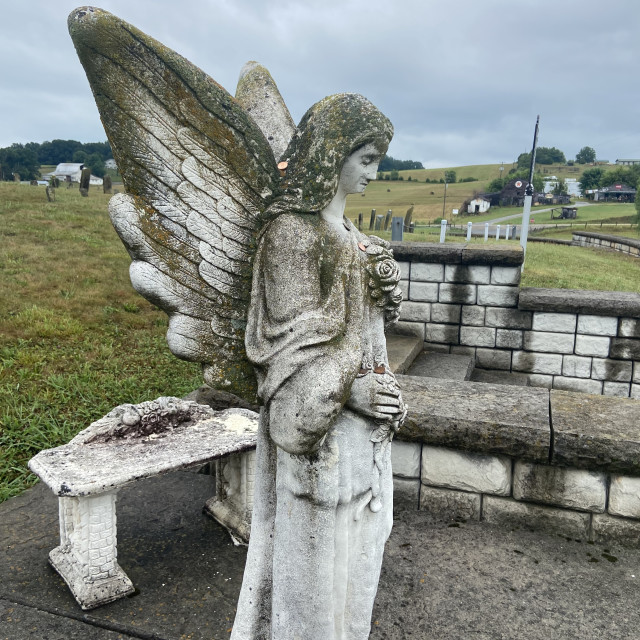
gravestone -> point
(85, 181)
(372, 220)
(387, 219)
(106, 184)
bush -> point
(468, 179)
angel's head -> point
(342, 131)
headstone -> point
(407, 218)
(360, 221)
(54, 182)
(51, 194)
(106, 184)
(372, 219)
(85, 181)
(397, 228)
(67, 179)
(33, 183)
(379, 222)
(16, 177)
(387, 219)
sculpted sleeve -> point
(304, 328)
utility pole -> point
(528, 195)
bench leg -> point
(233, 502)
(87, 556)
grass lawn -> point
(76, 340)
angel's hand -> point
(377, 396)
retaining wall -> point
(466, 298)
(521, 457)
(599, 240)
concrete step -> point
(500, 377)
(402, 351)
(447, 366)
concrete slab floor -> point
(439, 581)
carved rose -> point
(385, 273)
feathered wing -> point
(198, 173)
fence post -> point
(469, 224)
(443, 230)
(507, 231)
(486, 231)
(497, 232)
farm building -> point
(479, 204)
(616, 192)
(110, 164)
(512, 194)
(627, 161)
(70, 172)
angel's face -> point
(359, 169)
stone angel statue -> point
(234, 219)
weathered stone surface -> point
(477, 417)
(406, 493)
(571, 488)
(415, 311)
(451, 505)
(415, 329)
(626, 348)
(592, 346)
(426, 252)
(549, 363)
(404, 287)
(475, 472)
(501, 255)
(457, 293)
(500, 377)
(405, 270)
(427, 272)
(548, 342)
(555, 322)
(402, 351)
(509, 338)
(624, 496)
(635, 391)
(510, 513)
(447, 333)
(446, 366)
(445, 313)
(423, 291)
(473, 315)
(405, 459)
(474, 274)
(580, 385)
(616, 389)
(436, 347)
(576, 367)
(505, 275)
(629, 328)
(478, 336)
(463, 351)
(493, 359)
(613, 370)
(606, 528)
(597, 325)
(497, 296)
(604, 303)
(509, 318)
(540, 380)
(596, 432)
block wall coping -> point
(457, 253)
(601, 236)
(600, 303)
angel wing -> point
(199, 174)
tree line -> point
(389, 163)
(25, 159)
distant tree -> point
(625, 175)
(586, 155)
(561, 188)
(388, 163)
(496, 185)
(544, 155)
(394, 175)
(79, 156)
(18, 159)
(591, 179)
(96, 164)
(450, 176)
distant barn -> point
(70, 172)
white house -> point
(479, 204)
(110, 164)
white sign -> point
(518, 184)
(455, 212)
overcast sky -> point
(461, 81)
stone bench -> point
(131, 443)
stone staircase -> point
(406, 356)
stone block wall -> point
(460, 486)
(602, 241)
(467, 299)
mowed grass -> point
(75, 338)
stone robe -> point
(316, 544)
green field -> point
(76, 340)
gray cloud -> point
(462, 82)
